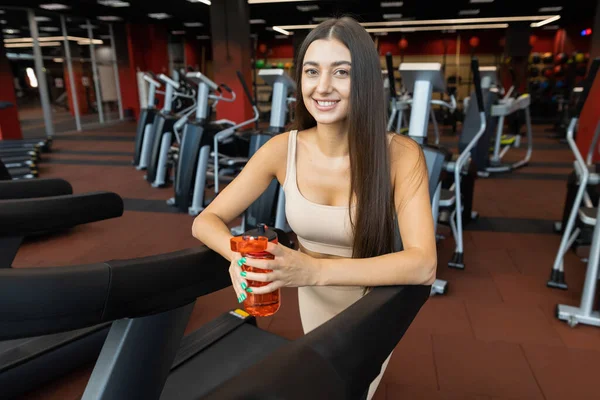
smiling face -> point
(326, 81)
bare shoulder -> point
(405, 155)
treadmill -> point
(149, 300)
(29, 208)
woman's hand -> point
(237, 281)
(290, 268)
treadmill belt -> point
(223, 360)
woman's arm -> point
(210, 226)
(417, 263)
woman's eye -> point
(342, 72)
(310, 72)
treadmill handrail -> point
(24, 217)
(35, 188)
(322, 356)
(41, 301)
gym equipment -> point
(149, 300)
(161, 133)
(452, 199)
(145, 123)
(400, 104)
(459, 194)
(30, 208)
(269, 208)
(421, 79)
(585, 177)
(585, 313)
(505, 107)
(15, 171)
(198, 137)
(162, 130)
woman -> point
(346, 182)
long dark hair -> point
(368, 144)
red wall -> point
(148, 51)
(10, 127)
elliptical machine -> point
(147, 115)
(199, 136)
(269, 208)
(161, 133)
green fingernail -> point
(243, 273)
(243, 296)
(244, 286)
(242, 261)
(239, 299)
(249, 290)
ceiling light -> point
(546, 21)
(392, 3)
(159, 15)
(193, 24)
(257, 21)
(207, 2)
(113, 3)
(308, 8)
(21, 45)
(438, 28)
(2, 11)
(381, 33)
(468, 12)
(10, 31)
(274, 1)
(58, 60)
(54, 6)
(42, 19)
(52, 39)
(109, 18)
(277, 29)
(48, 29)
(392, 16)
(203, 37)
(550, 9)
(178, 32)
(481, 1)
(405, 22)
(3, 22)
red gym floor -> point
(492, 336)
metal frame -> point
(70, 71)
(95, 72)
(41, 75)
(116, 70)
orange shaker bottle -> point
(253, 244)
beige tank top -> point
(320, 228)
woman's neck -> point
(332, 139)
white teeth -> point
(326, 103)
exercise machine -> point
(586, 176)
(199, 137)
(161, 132)
(157, 172)
(147, 114)
(29, 208)
(12, 171)
(456, 199)
(269, 208)
(401, 103)
(148, 302)
(507, 106)
(585, 313)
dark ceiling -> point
(573, 13)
